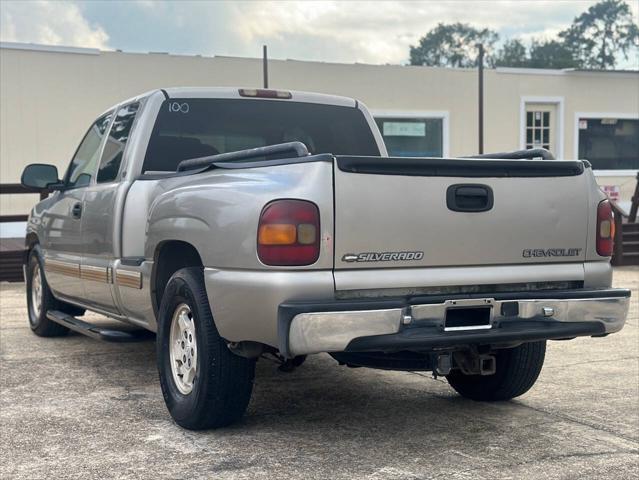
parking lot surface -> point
(78, 408)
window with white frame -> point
(609, 143)
(412, 136)
(538, 129)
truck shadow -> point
(320, 414)
(343, 398)
(320, 399)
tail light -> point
(288, 233)
(605, 229)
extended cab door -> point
(100, 214)
(62, 221)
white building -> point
(50, 95)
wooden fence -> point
(12, 249)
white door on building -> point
(541, 126)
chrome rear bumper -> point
(419, 323)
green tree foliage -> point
(550, 54)
(596, 39)
(541, 54)
(512, 54)
(452, 45)
(598, 35)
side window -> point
(85, 160)
(116, 142)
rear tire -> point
(204, 384)
(517, 370)
(40, 299)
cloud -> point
(50, 23)
(339, 31)
(382, 31)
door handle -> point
(76, 211)
(469, 198)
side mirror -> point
(41, 176)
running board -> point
(94, 331)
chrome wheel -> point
(183, 349)
(36, 291)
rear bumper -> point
(418, 323)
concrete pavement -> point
(78, 408)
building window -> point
(609, 143)
(412, 137)
(538, 129)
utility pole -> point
(265, 66)
(480, 62)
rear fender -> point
(218, 212)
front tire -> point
(40, 299)
(203, 383)
(516, 372)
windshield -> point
(192, 128)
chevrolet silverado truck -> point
(238, 224)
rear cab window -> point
(116, 142)
(200, 127)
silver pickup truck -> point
(242, 223)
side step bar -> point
(95, 331)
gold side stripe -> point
(124, 278)
(96, 277)
(97, 274)
(127, 278)
(63, 268)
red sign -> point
(612, 191)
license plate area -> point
(468, 315)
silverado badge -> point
(382, 256)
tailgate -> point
(417, 212)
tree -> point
(551, 54)
(598, 35)
(541, 54)
(451, 45)
(512, 54)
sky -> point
(371, 31)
